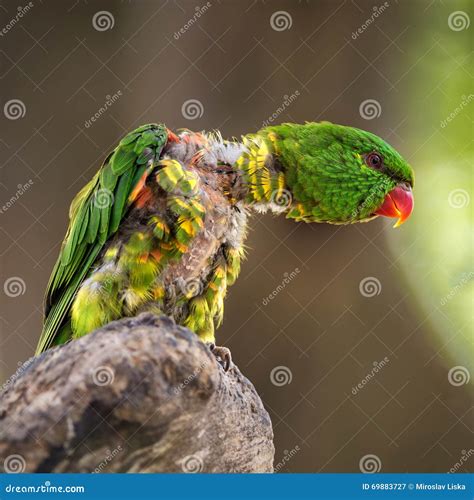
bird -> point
(161, 227)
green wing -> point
(95, 215)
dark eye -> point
(374, 160)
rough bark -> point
(139, 395)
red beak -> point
(398, 203)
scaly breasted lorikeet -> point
(161, 226)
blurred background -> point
(358, 339)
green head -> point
(340, 174)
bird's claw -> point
(222, 355)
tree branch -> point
(139, 395)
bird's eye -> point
(374, 160)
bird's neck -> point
(261, 182)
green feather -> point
(122, 159)
(93, 227)
(120, 199)
(108, 178)
(95, 215)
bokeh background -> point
(388, 309)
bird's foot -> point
(222, 355)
